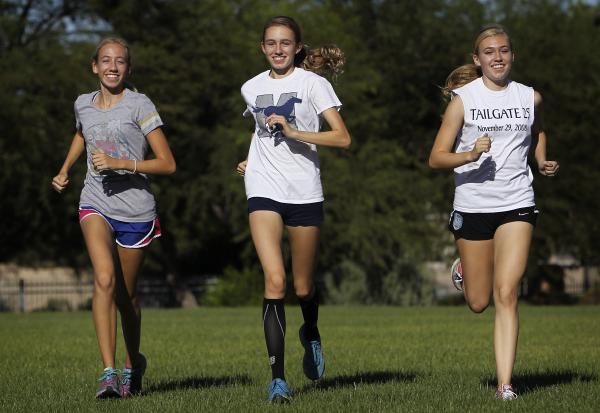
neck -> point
(495, 85)
(281, 73)
(109, 97)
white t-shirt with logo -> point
(281, 168)
(501, 179)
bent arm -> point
(338, 136)
(538, 135)
(61, 180)
(163, 162)
(75, 150)
(442, 155)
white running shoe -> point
(506, 392)
(457, 274)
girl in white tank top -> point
(486, 134)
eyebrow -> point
(497, 47)
(274, 40)
(110, 56)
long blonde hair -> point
(467, 73)
(459, 77)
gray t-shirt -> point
(120, 133)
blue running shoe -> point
(109, 384)
(313, 361)
(131, 380)
(279, 392)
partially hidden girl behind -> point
(487, 131)
(117, 211)
(289, 102)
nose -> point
(497, 55)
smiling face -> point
(495, 57)
(112, 66)
(280, 47)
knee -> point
(104, 282)
(478, 305)
(275, 286)
(505, 297)
(303, 290)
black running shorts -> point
(483, 226)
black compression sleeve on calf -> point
(310, 312)
(274, 326)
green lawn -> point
(378, 359)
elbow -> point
(433, 164)
(345, 141)
(172, 168)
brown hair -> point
(326, 60)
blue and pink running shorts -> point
(127, 234)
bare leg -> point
(304, 242)
(477, 259)
(512, 241)
(267, 230)
(131, 260)
(100, 245)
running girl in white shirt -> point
(486, 134)
(117, 210)
(283, 185)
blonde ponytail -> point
(459, 77)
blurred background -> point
(385, 239)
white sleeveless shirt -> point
(501, 179)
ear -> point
(476, 60)
(262, 47)
(94, 67)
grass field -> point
(379, 359)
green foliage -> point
(235, 288)
(347, 283)
(385, 210)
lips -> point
(279, 59)
(112, 77)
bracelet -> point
(134, 166)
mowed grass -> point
(379, 359)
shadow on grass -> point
(355, 380)
(196, 382)
(530, 382)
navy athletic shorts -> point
(293, 215)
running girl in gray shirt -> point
(117, 212)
